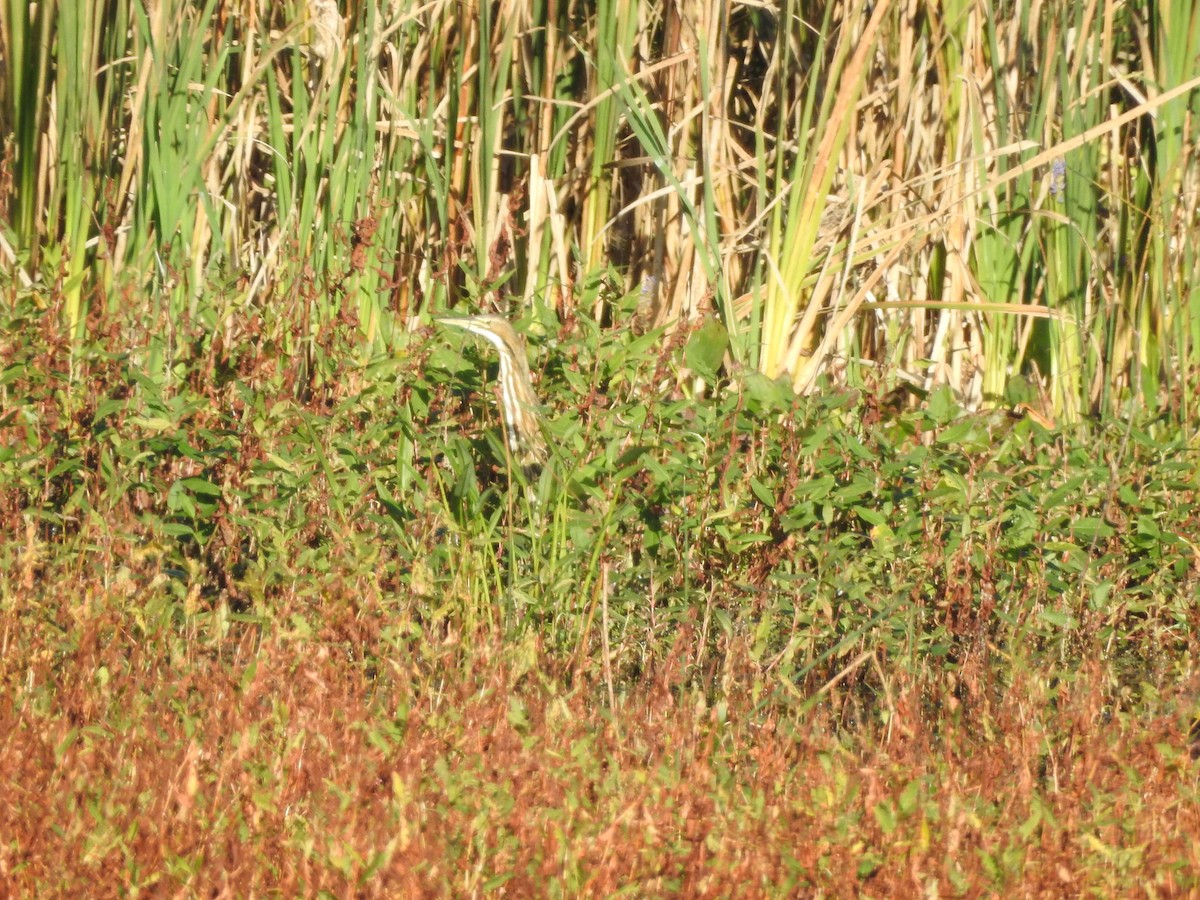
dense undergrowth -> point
(865, 561)
(272, 644)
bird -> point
(522, 419)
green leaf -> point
(763, 493)
(200, 486)
(11, 373)
(770, 393)
(885, 815)
(1057, 618)
(942, 406)
(1091, 528)
(706, 349)
(871, 516)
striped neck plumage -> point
(520, 406)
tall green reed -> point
(214, 160)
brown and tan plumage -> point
(522, 421)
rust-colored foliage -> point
(240, 767)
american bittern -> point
(522, 423)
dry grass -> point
(262, 764)
(968, 194)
